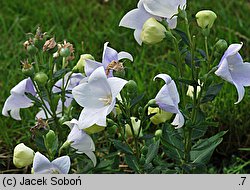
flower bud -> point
(131, 86)
(79, 67)
(51, 142)
(205, 19)
(41, 78)
(190, 91)
(64, 52)
(94, 129)
(152, 32)
(23, 156)
(160, 115)
(221, 46)
(158, 133)
(136, 126)
(31, 49)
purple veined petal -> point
(241, 74)
(223, 71)
(91, 66)
(178, 120)
(172, 23)
(62, 164)
(241, 92)
(116, 84)
(135, 18)
(125, 55)
(94, 94)
(92, 156)
(163, 8)
(90, 116)
(30, 87)
(137, 36)
(109, 55)
(41, 164)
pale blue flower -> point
(98, 97)
(81, 141)
(168, 99)
(232, 69)
(109, 55)
(42, 165)
(18, 99)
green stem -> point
(207, 54)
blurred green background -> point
(88, 24)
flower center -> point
(107, 100)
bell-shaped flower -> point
(81, 141)
(98, 97)
(110, 61)
(168, 99)
(18, 99)
(232, 69)
(205, 18)
(42, 165)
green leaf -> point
(152, 151)
(132, 162)
(172, 142)
(137, 99)
(202, 151)
(122, 146)
(60, 73)
(183, 36)
(212, 92)
(33, 98)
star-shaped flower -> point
(98, 97)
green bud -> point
(64, 52)
(23, 156)
(120, 73)
(158, 133)
(41, 78)
(160, 115)
(131, 86)
(51, 142)
(205, 19)
(221, 46)
(79, 67)
(152, 32)
(31, 49)
(136, 126)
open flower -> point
(232, 69)
(81, 141)
(97, 96)
(42, 165)
(110, 61)
(18, 99)
(168, 99)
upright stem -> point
(207, 53)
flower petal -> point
(62, 163)
(135, 18)
(164, 77)
(163, 8)
(91, 66)
(172, 23)
(137, 36)
(241, 74)
(109, 55)
(178, 120)
(41, 164)
(92, 156)
(125, 55)
(116, 84)
(223, 71)
(241, 92)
